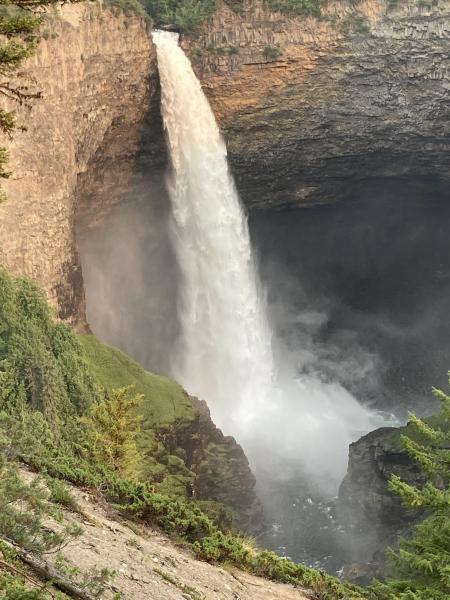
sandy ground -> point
(150, 567)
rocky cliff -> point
(372, 516)
(96, 69)
(310, 109)
(313, 108)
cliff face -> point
(309, 109)
(221, 470)
(97, 72)
(361, 94)
(371, 515)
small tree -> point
(112, 426)
(422, 562)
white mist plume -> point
(225, 350)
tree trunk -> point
(49, 573)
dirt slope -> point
(150, 567)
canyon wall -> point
(310, 108)
(97, 72)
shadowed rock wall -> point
(339, 104)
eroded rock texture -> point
(372, 516)
(340, 105)
(96, 70)
(332, 110)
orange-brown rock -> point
(96, 69)
(312, 107)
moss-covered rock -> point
(182, 451)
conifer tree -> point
(20, 21)
(112, 427)
(422, 562)
(42, 365)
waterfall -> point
(224, 354)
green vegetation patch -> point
(182, 15)
(164, 400)
(131, 7)
(42, 364)
(297, 7)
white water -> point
(225, 352)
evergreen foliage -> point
(183, 15)
(41, 361)
(297, 7)
(421, 565)
(111, 430)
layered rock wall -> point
(361, 94)
(309, 108)
(97, 71)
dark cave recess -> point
(377, 265)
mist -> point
(131, 276)
(358, 291)
(356, 299)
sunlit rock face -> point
(97, 72)
(333, 106)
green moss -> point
(164, 402)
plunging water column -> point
(224, 354)
(281, 415)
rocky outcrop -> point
(214, 468)
(97, 71)
(310, 108)
(223, 473)
(371, 515)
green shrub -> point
(23, 509)
(61, 494)
(272, 52)
(297, 7)
(131, 7)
